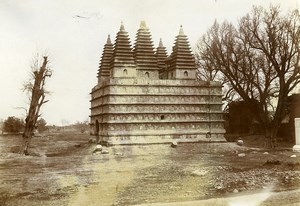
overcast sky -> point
(73, 32)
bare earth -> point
(63, 170)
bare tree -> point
(258, 60)
(36, 88)
(208, 68)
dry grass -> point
(63, 171)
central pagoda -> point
(145, 96)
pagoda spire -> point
(108, 40)
(143, 25)
(122, 28)
(181, 33)
(144, 54)
(182, 58)
(104, 66)
(160, 43)
(122, 58)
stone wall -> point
(129, 109)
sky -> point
(73, 32)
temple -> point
(145, 96)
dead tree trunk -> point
(36, 101)
(270, 137)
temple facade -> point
(145, 96)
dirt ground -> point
(63, 170)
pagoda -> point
(181, 63)
(104, 67)
(145, 96)
(161, 56)
(122, 56)
(145, 59)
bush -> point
(41, 125)
(13, 125)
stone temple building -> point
(145, 96)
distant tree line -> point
(81, 127)
(16, 125)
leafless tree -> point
(36, 89)
(257, 60)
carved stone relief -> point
(159, 109)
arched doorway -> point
(97, 127)
(97, 130)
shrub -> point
(13, 125)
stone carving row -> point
(96, 103)
(123, 109)
(161, 82)
(98, 110)
(96, 95)
(162, 137)
(150, 89)
(160, 99)
(156, 99)
(161, 117)
(156, 108)
(169, 126)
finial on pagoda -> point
(160, 43)
(108, 40)
(181, 30)
(122, 28)
(143, 25)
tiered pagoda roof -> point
(181, 57)
(122, 54)
(104, 66)
(145, 57)
(161, 56)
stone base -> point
(128, 140)
(296, 148)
